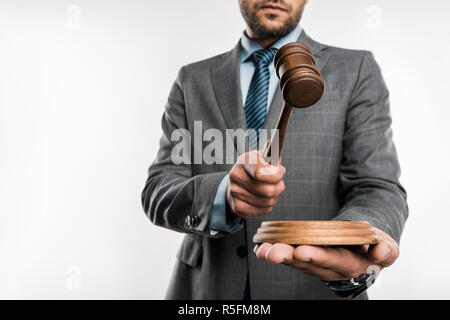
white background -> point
(82, 89)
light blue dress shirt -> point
(247, 68)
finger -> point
(283, 253)
(257, 168)
(246, 210)
(237, 191)
(261, 251)
(321, 273)
(257, 188)
(381, 254)
(240, 176)
(279, 253)
(385, 252)
(269, 173)
(340, 260)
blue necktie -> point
(256, 103)
(256, 107)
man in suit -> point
(338, 163)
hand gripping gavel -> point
(302, 86)
(300, 83)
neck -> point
(265, 43)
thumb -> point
(382, 254)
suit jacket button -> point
(195, 221)
(242, 251)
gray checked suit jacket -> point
(340, 164)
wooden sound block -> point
(316, 233)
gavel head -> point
(300, 80)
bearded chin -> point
(263, 32)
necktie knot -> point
(263, 56)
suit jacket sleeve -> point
(369, 173)
(172, 197)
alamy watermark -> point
(374, 17)
(73, 280)
(213, 147)
(73, 21)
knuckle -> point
(282, 187)
(234, 173)
(270, 191)
(258, 175)
(234, 191)
(268, 210)
(238, 207)
(265, 202)
(241, 158)
(279, 189)
(303, 254)
(280, 173)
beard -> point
(256, 23)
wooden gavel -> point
(302, 86)
(300, 83)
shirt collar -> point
(248, 46)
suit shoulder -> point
(351, 61)
(205, 64)
(347, 54)
(352, 57)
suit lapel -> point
(320, 55)
(226, 83)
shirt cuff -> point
(218, 213)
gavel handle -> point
(282, 125)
